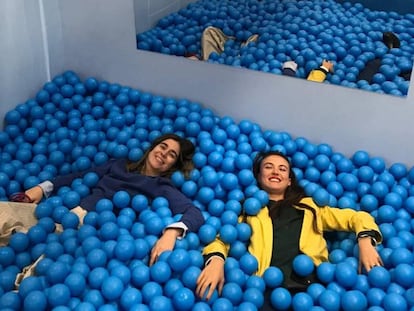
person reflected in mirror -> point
(290, 224)
(372, 67)
(213, 40)
(290, 67)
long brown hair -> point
(184, 161)
(293, 193)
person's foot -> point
(328, 65)
(80, 212)
(252, 38)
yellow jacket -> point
(317, 75)
(316, 221)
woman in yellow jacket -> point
(291, 224)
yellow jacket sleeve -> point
(217, 246)
(318, 220)
(343, 219)
(317, 75)
(261, 240)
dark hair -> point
(184, 161)
(391, 40)
(294, 193)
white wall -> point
(148, 12)
(23, 57)
(97, 38)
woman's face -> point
(274, 176)
(162, 157)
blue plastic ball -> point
(401, 255)
(273, 277)
(207, 233)
(112, 288)
(369, 203)
(124, 250)
(36, 300)
(398, 170)
(95, 297)
(189, 277)
(321, 197)
(354, 300)
(330, 300)
(303, 265)
(130, 297)
(326, 272)
(160, 272)
(183, 299)
(346, 274)
(404, 275)
(76, 283)
(179, 260)
(19, 242)
(229, 181)
(248, 263)
(160, 303)
(228, 233)
(281, 298)
(252, 206)
(58, 295)
(96, 258)
(233, 292)
(10, 301)
(189, 188)
(140, 275)
(409, 296)
(109, 231)
(171, 286)
(29, 284)
(243, 231)
(379, 277)
(205, 194)
(302, 301)
(394, 301)
(139, 202)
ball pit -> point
(104, 263)
(304, 31)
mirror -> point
(369, 48)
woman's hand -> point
(368, 255)
(328, 65)
(210, 278)
(165, 243)
(35, 194)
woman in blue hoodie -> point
(150, 176)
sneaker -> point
(252, 38)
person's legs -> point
(371, 68)
(212, 40)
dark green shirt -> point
(287, 225)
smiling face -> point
(274, 176)
(162, 157)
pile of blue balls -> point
(71, 125)
(305, 31)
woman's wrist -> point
(175, 232)
(367, 235)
